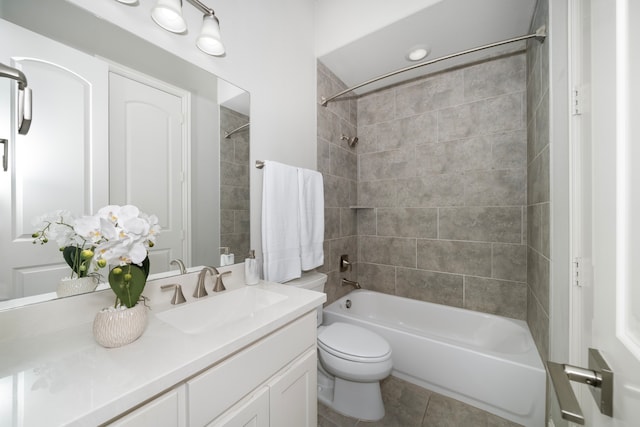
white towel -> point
(280, 222)
(311, 191)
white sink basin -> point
(216, 310)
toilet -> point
(351, 362)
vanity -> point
(247, 354)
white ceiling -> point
(447, 27)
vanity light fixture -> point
(168, 15)
(209, 40)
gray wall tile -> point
(455, 257)
(509, 150)
(433, 93)
(388, 250)
(509, 262)
(377, 107)
(407, 132)
(376, 277)
(495, 188)
(348, 224)
(429, 286)
(378, 193)
(366, 219)
(454, 156)
(538, 277)
(343, 162)
(387, 165)
(337, 191)
(491, 115)
(538, 321)
(495, 77)
(496, 297)
(407, 222)
(324, 156)
(431, 191)
(331, 223)
(488, 224)
(538, 179)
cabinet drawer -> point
(212, 392)
(253, 411)
(164, 411)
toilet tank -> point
(313, 281)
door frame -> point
(185, 97)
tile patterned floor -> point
(407, 405)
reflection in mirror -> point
(116, 120)
(234, 171)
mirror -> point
(213, 180)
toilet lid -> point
(353, 342)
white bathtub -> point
(487, 361)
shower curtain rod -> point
(539, 35)
(227, 135)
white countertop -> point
(52, 372)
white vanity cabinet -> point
(293, 394)
(257, 370)
(167, 410)
(284, 362)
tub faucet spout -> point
(347, 282)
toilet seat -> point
(351, 342)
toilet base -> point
(357, 400)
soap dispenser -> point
(226, 258)
(251, 269)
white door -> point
(62, 163)
(610, 228)
(148, 151)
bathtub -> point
(486, 361)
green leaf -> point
(128, 292)
(71, 255)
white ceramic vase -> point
(115, 327)
(77, 285)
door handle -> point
(5, 153)
(599, 377)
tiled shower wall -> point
(338, 164)
(442, 164)
(538, 197)
(441, 181)
(234, 184)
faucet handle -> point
(178, 296)
(345, 264)
(219, 286)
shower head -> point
(352, 141)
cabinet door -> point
(252, 412)
(166, 411)
(293, 393)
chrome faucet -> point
(200, 290)
(180, 265)
(347, 282)
(219, 286)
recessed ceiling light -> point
(417, 53)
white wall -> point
(270, 53)
(340, 22)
